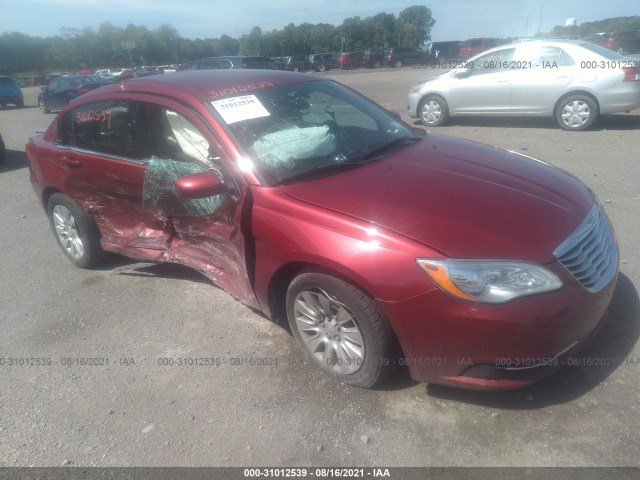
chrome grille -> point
(590, 253)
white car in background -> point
(571, 81)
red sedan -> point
(469, 265)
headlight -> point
(489, 281)
(416, 87)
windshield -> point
(309, 127)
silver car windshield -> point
(294, 130)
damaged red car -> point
(381, 247)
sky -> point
(455, 19)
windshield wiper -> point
(374, 153)
(367, 157)
(307, 174)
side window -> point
(545, 57)
(174, 137)
(65, 130)
(493, 62)
(109, 128)
(179, 149)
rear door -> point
(105, 157)
(539, 76)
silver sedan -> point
(571, 81)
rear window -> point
(602, 51)
(6, 81)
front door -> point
(208, 234)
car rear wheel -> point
(576, 113)
(75, 232)
(322, 67)
(341, 329)
(433, 111)
(398, 63)
(43, 106)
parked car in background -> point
(123, 73)
(35, 80)
(350, 60)
(621, 42)
(473, 46)
(404, 56)
(297, 63)
(374, 57)
(557, 79)
(441, 51)
(10, 92)
(471, 265)
(61, 90)
(321, 62)
(233, 62)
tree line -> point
(616, 24)
(77, 49)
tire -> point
(398, 63)
(322, 67)
(76, 233)
(352, 343)
(576, 113)
(433, 111)
(20, 103)
(43, 107)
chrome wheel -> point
(576, 114)
(65, 226)
(431, 112)
(329, 331)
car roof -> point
(208, 84)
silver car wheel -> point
(65, 226)
(431, 112)
(329, 331)
(576, 114)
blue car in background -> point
(10, 92)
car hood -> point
(462, 198)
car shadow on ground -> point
(609, 348)
(606, 352)
(15, 160)
(120, 265)
(606, 122)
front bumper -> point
(496, 347)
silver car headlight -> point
(417, 86)
(489, 281)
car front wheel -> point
(576, 113)
(43, 106)
(433, 111)
(75, 232)
(341, 329)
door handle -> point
(71, 162)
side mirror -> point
(462, 72)
(199, 185)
